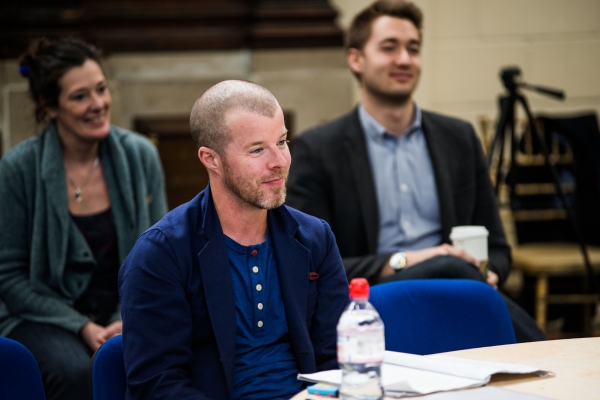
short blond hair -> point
(207, 119)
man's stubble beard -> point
(388, 98)
(253, 196)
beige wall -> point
(556, 43)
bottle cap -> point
(359, 288)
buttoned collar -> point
(377, 132)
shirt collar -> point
(377, 132)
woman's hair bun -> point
(45, 61)
(27, 62)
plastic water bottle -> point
(360, 346)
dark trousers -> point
(450, 267)
(63, 358)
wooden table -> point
(575, 363)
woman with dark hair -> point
(74, 199)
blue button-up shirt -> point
(265, 367)
(409, 212)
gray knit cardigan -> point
(38, 239)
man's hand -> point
(417, 256)
(95, 335)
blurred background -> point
(161, 55)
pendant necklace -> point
(77, 195)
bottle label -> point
(366, 348)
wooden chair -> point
(546, 246)
(546, 260)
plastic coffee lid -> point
(359, 288)
(468, 231)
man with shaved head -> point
(233, 294)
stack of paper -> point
(409, 374)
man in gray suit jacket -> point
(392, 179)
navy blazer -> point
(178, 302)
(331, 178)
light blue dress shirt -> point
(409, 211)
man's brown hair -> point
(207, 119)
(360, 29)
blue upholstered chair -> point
(108, 371)
(20, 376)
(437, 315)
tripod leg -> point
(563, 198)
(500, 128)
(506, 115)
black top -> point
(101, 298)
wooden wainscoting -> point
(185, 176)
(175, 25)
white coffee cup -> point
(473, 239)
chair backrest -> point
(20, 376)
(108, 371)
(538, 211)
(437, 315)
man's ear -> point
(209, 158)
(354, 59)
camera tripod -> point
(505, 137)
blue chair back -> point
(20, 376)
(108, 371)
(437, 315)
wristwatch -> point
(398, 261)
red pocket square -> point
(314, 276)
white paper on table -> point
(486, 392)
(405, 374)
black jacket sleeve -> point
(319, 185)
